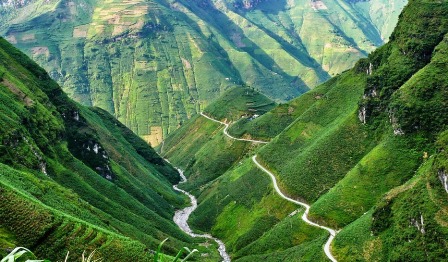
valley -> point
(181, 219)
(224, 130)
(154, 64)
(338, 146)
(305, 214)
(279, 192)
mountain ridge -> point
(155, 64)
(73, 178)
(365, 148)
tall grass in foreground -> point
(21, 254)
(159, 256)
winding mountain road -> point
(305, 214)
(280, 193)
(227, 134)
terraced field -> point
(367, 149)
(154, 64)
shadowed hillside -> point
(73, 178)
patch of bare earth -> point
(12, 39)
(40, 50)
(237, 40)
(80, 31)
(371, 247)
(22, 96)
(318, 5)
(155, 137)
(72, 7)
(187, 64)
(29, 37)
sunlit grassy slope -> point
(154, 64)
(237, 201)
(73, 178)
(367, 149)
(200, 140)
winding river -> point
(181, 216)
(181, 219)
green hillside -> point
(154, 64)
(366, 150)
(236, 201)
(73, 178)
(200, 140)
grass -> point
(154, 65)
(382, 187)
(375, 235)
(200, 140)
(328, 129)
(160, 257)
(7, 240)
(239, 102)
(380, 170)
(373, 177)
(52, 232)
(242, 209)
(19, 254)
(236, 201)
(82, 163)
(309, 251)
(269, 125)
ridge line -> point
(280, 193)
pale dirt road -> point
(228, 135)
(280, 193)
(305, 214)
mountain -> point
(73, 178)
(366, 150)
(154, 64)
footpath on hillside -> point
(280, 193)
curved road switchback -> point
(280, 193)
(227, 134)
(305, 214)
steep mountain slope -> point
(367, 151)
(200, 140)
(73, 178)
(236, 200)
(153, 64)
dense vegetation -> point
(237, 202)
(73, 178)
(367, 149)
(200, 140)
(154, 64)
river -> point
(181, 219)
